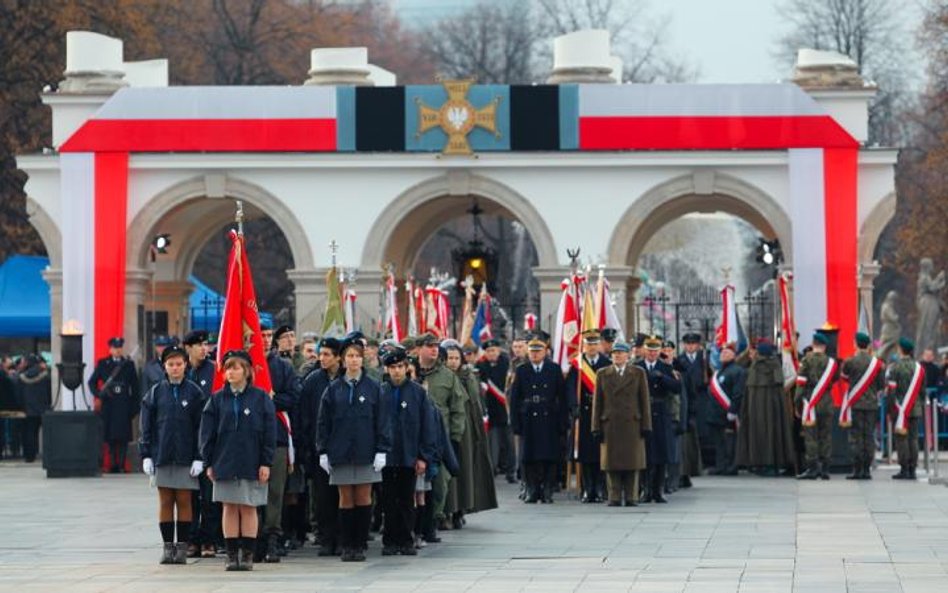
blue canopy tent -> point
(24, 297)
(207, 307)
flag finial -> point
(333, 249)
(239, 217)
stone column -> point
(137, 288)
(309, 290)
(54, 278)
(867, 279)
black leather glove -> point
(645, 433)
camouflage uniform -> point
(865, 413)
(899, 376)
(818, 439)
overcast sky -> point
(728, 40)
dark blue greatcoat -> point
(662, 386)
(238, 433)
(170, 420)
(539, 414)
(353, 425)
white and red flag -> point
(566, 331)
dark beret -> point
(241, 354)
(394, 356)
(280, 331)
(173, 351)
(332, 343)
(196, 336)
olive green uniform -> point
(449, 396)
(818, 439)
(865, 412)
(899, 376)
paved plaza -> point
(744, 534)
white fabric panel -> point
(77, 193)
(695, 99)
(235, 102)
(809, 240)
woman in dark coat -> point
(353, 438)
(170, 420)
(238, 440)
(35, 391)
(765, 438)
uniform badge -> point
(116, 389)
(203, 381)
(246, 411)
(184, 404)
(404, 405)
(361, 399)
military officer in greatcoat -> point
(585, 448)
(493, 371)
(539, 416)
(662, 387)
(693, 366)
(114, 382)
(860, 413)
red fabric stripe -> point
(111, 203)
(840, 203)
(710, 132)
(214, 135)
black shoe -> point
(548, 499)
(272, 556)
(684, 482)
(356, 555)
(327, 549)
(457, 521)
(902, 475)
(246, 559)
(824, 475)
(432, 538)
(531, 499)
(181, 554)
(631, 503)
(511, 480)
(408, 550)
(614, 503)
(911, 475)
(194, 551)
(346, 555)
(658, 498)
(809, 474)
(856, 475)
(232, 563)
(389, 550)
(586, 498)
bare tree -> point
(637, 36)
(509, 41)
(872, 33)
(493, 42)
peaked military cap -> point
(691, 338)
(621, 347)
(592, 336)
(653, 343)
(536, 344)
(116, 342)
(609, 334)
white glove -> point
(731, 417)
(148, 466)
(324, 463)
(379, 462)
(197, 466)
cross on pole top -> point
(333, 249)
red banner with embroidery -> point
(822, 386)
(857, 390)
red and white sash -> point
(908, 402)
(494, 391)
(857, 390)
(822, 386)
(717, 391)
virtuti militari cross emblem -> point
(457, 117)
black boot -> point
(167, 553)
(273, 555)
(247, 553)
(658, 484)
(811, 473)
(647, 485)
(824, 470)
(361, 535)
(867, 470)
(857, 471)
(911, 474)
(346, 518)
(684, 482)
(232, 563)
(903, 473)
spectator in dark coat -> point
(35, 393)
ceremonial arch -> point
(375, 169)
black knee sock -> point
(232, 544)
(248, 543)
(344, 528)
(167, 531)
(363, 525)
(184, 531)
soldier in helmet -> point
(814, 402)
(905, 381)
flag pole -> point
(239, 217)
(574, 287)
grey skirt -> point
(237, 491)
(177, 477)
(347, 475)
(421, 484)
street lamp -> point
(475, 260)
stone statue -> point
(930, 306)
(891, 328)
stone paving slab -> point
(728, 534)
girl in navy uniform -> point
(170, 419)
(353, 436)
(413, 448)
(238, 438)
